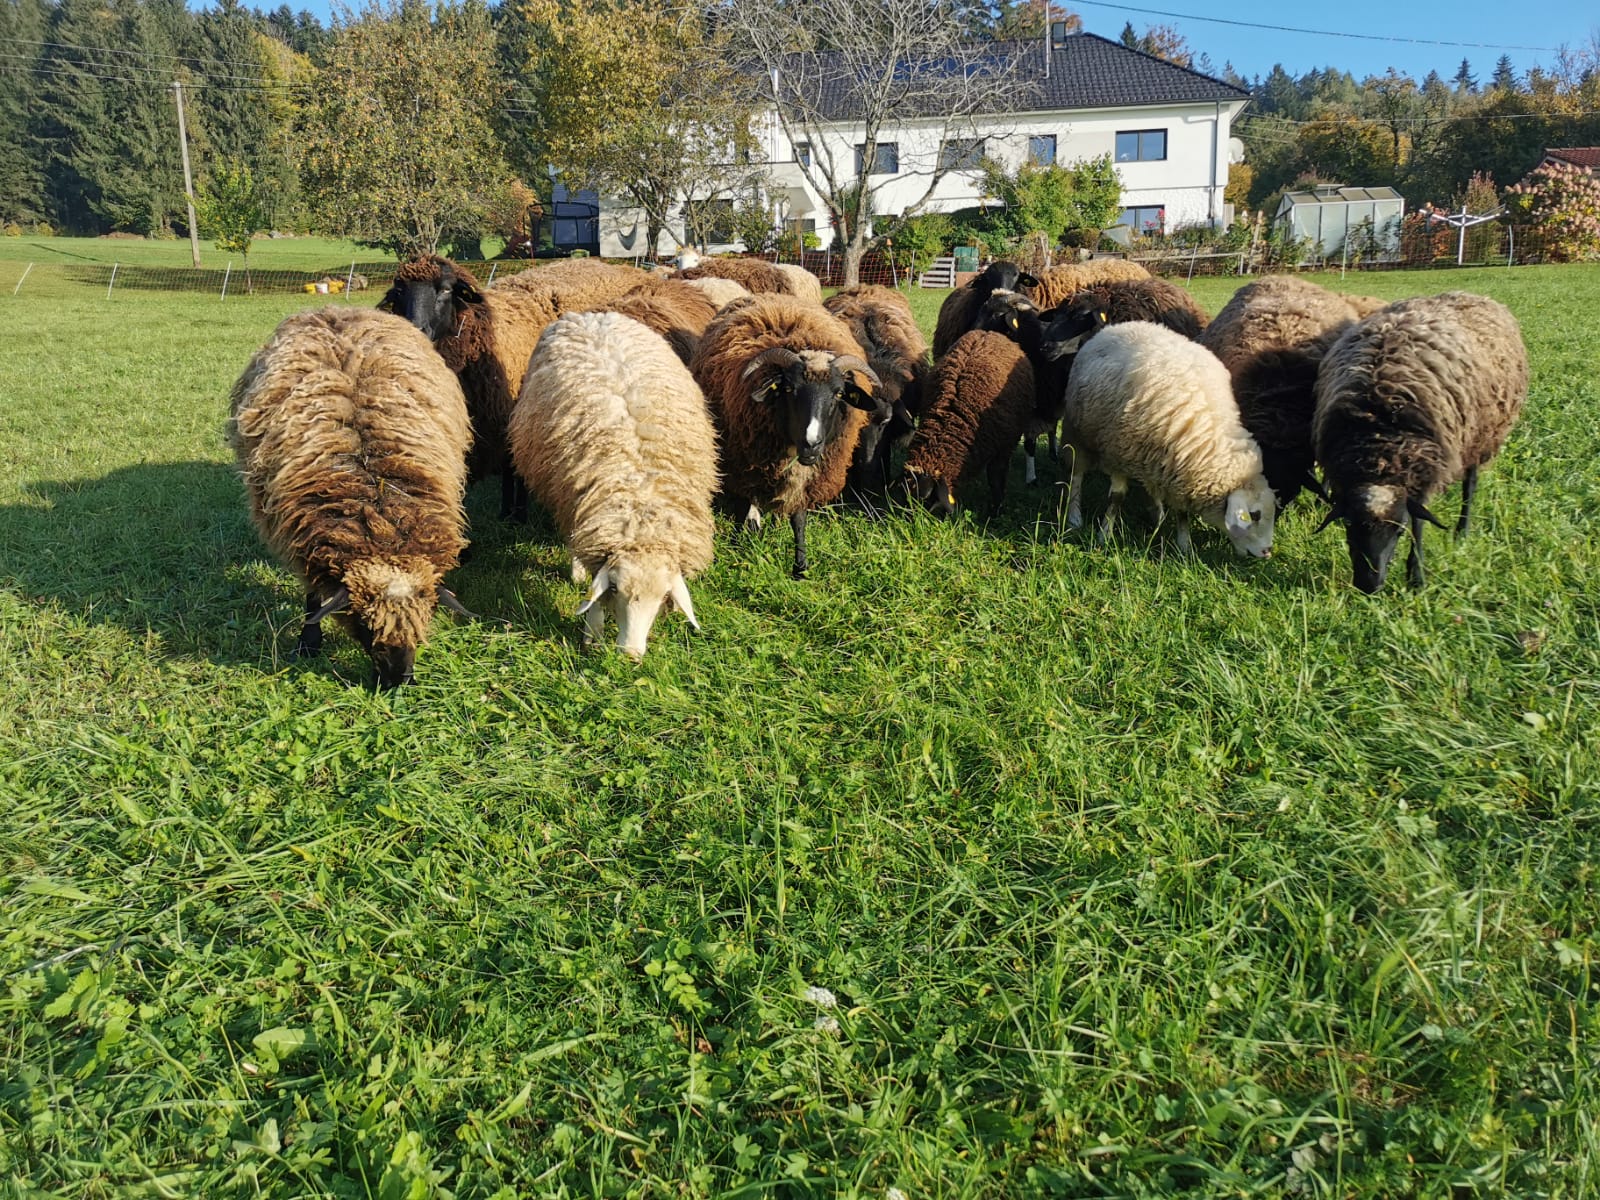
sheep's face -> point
(1005, 276)
(1373, 516)
(807, 392)
(1009, 313)
(635, 594)
(434, 304)
(1072, 325)
(1247, 518)
(391, 607)
(935, 494)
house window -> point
(802, 153)
(1142, 145)
(1042, 150)
(1145, 220)
(887, 162)
(720, 222)
(961, 154)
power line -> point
(1366, 37)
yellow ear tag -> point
(950, 498)
(1244, 516)
(1102, 317)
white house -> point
(1167, 128)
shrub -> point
(44, 229)
(13, 229)
(921, 239)
(1084, 196)
(1562, 203)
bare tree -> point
(846, 77)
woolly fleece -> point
(1057, 285)
(982, 400)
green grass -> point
(266, 254)
(1132, 876)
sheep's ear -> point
(1026, 280)
(391, 300)
(1419, 512)
(859, 381)
(680, 597)
(600, 586)
(1333, 515)
(448, 599)
(464, 293)
(338, 602)
(1314, 485)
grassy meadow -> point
(982, 863)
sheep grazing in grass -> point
(789, 391)
(1271, 336)
(612, 435)
(352, 438)
(755, 274)
(1409, 400)
(959, 312)
(672, 308)
(720, 292)
(882, 322)
(1148, 404)
(802, 283)
(1057, 285)
(486, 337)
(981, 401)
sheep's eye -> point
(1255, 514)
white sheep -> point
(612, 435)
(1146, 403)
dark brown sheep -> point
(760, 277)
(982, 400)
(959, 312)
(670, 307)
(881, 320)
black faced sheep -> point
(1409, 400)
(959, 312)
(612, 435)
(1271, 335)
(1013, 315)
(982, 398)
(789, 391)
(881, 320)
(352, 438)
(486, 337)
(1146, 403)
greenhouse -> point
(1345, 222)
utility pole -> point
(188, 181)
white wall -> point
(1188, 183)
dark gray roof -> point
(1086, 71)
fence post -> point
(225, 275)
(113, 282)
(350, 279)
(25, 271)
(1193, 256)
(1511, 245)
(493, 267)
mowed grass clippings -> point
(983, 863)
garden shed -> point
(1328, 213)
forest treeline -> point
(324, 118)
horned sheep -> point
(789, 391)
(1411, 399)
(982, 398)
(352, 437)
(1146, 403)
(882, 322)
(611, 434)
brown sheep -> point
(802, 283)
(754, 273)
(789, 390)
(352, 437)
(982, 402)
(577, 274)
(672, 308)
(486, 336)
(1271, 335)
(881, 320)
(1059, 284)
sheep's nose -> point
(808, 455)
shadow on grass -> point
(168, 549)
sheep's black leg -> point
(310, 643)
(999, 467)
(1469, 485)
(1055, 444)
(1030, 451)
(1414, 572)
(797, 522)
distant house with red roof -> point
(1587, 157)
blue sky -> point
(1499, 26)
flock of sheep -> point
(626, 402)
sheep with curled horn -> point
(789, 390)
(351, 436)
(1411, 399)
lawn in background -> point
(983, 863)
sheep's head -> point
(1004, 276)
(1247, 516)
(1374, 515)
(1073, 324)
(1011, 314)
(807, 391)
(388, 606)
(635, 593)
(432, 293)
(935, 494)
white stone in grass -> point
(894, 1193)
(821, 997)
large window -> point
(1042, 150)
(886, 163)
(1145, 220)
(1142, 145)
(961, 154)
